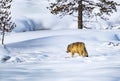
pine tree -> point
(83, 8)
(6, 25)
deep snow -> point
(33, 15)
(41, 56)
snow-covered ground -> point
(41, 56)
(30, 15)
(33, 15)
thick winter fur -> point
(77, 47)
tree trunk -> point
(3, 35)
(80, 21)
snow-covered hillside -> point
(33, 15)
(41, 56)
(30, 15)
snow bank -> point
(24, 24)
(4, 54)
(36, 46)
(41, 55)
(37, 17)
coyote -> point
(77, 47)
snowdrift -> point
(33, 15)
(41, 55)
(44, 45)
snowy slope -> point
(33, 15)
(41, 56)
(57, 41)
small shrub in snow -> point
(113, 44)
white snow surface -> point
(30, 15)
(41, 56)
